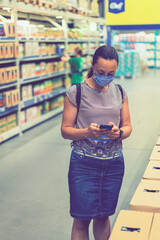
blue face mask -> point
(103, 81)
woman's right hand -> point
(94, 131)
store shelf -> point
(42, 97)
(37, 58)
(9, 134)
(27, 8)
(46, 17)
(8, 85)
(9, 60)
(7, 39)
(41, 119)
(5, 111)
(43, 77)
(32, 39)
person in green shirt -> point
(76, 65)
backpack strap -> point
(78, 98)
(121, 90)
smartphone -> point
(106, 127)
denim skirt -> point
(94, 185)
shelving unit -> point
(37, 15)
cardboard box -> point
(6, 50)
(146, 197)
(11, 121)
(15, 73)
(1, 50)
(13, 29)
(155, 230)
(3, 125)
(155, 155)
(11, 50)
(16, 50)
(7, 75)
(8, 29)
(7, 99)
(132, 225)
(15, 97)
(152, 171)
(12, 74)
(2, 76)
(158, 142)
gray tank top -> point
(100, 108)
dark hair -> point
(105, 52)
(78, 51)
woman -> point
(96, 165)
(76, 65)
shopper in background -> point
(76, 65)
(97, 164)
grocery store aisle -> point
(34, 200)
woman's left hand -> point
(113, 133)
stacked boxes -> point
(132, 225)
(144, 206)
(9, 29)
(9, 50)
(11, 98)
(8, 123)
(8, 75)
(129, 64)
(120, 71)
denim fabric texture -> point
(94, 185)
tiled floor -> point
(34, 199)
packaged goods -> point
(24, 93)
(22, 117)
(6, 50)
(11, 50)
(15, 97)
(2, 33)
(3, 125)
(7, 75)
(1, 50)
(7, 99)
(1, 99)
(2, 76)
(11, 121)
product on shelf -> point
(95, 7)
(129, 64)
(26, 92)
(56, 102)
(8, 123)
(28, 30)
(11, 98)
(7, 29)
(39, 69)
(9, 50)
(11, 121)
(8, 75)
(3, 125)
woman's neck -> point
(90, 81)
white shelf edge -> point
(41, 119)
(11, 133)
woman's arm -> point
(68, 129)
(125, 123)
